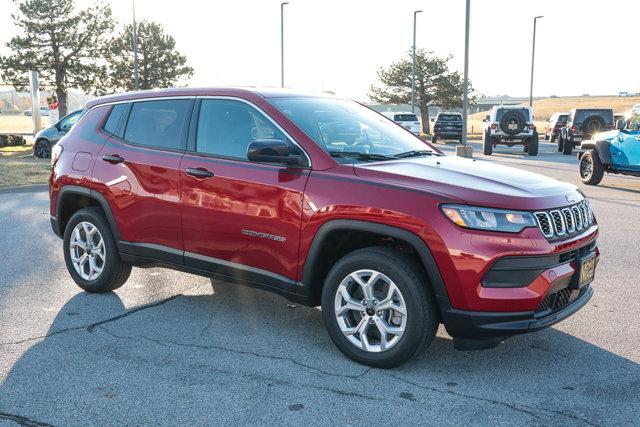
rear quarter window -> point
(449, 118)
(115, 121)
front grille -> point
(557, 223)
(559, 300)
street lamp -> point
(533, 54)
(465, 150)
(135, 47)
(413, 64)
(282, 42)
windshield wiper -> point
(359, 155)
(414, 153)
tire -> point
(592, 125)
(534, 142)
(513, 117)
(42, 150)
(114, 273)
(591, 168)
(560, 142)
(487, 144)
(553, 137)
(419, 326)
(567, 146)
(546, 137)
(433, 139)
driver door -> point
(239, 218)
(625, 150)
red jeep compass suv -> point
(324, 202)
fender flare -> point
(602, 148)
(421, 248)
(68, 190)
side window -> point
(70, 120)
(157, 123)
(116, 117)
(227, 127)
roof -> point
(266, 92)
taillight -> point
(573, 128)
(56, 152)
(494, 126)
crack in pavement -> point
(90, 327)
(23, 421)
(534, 412)
(165, 342)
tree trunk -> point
(424, 117)
(62, 101)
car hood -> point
(476, 182)
(48, 133)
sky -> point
(582, 46)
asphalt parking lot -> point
(171, 348)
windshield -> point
(345, 129)
(406, 118)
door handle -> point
(199, 173)
(112, 158)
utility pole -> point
(35, 102)
(413, 65)
(533, 56)
(282, 42)
(135, 48)
(465, 150)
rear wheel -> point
(487, 144)
(90, 252)
(591, 168)
(377, 307)
(567, 146)
(533, 145)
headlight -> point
(488, 218)
(56, 152)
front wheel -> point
(377, 307)
(90, 252)
(42, 149)
(591, 168)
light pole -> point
(465, 150)
(282, 42)
(413, 64)
(135, 47)
(533, 55)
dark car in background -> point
(581, 125)
(554, 124)
(447, 126)
(48, 137)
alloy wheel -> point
(586, 167)
(87, 250)
(370, 310)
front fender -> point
(601, 147)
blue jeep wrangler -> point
(616, 151)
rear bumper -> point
(477, 325)
(448, 134)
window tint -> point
(115, 118)
(606, 115)
(227, 127)
(69, 120)
(406, 118)
(449, 118)
(502, 111)
(157, 123)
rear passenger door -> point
(240, 218)
(138, 172)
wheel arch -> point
(316, 267)
(601, 148)
(72, 198)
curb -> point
(24, 188)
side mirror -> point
(271, 151)
(620, 124)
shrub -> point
(16, 140)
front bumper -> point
(478, 325)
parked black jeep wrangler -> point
(582, 124)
